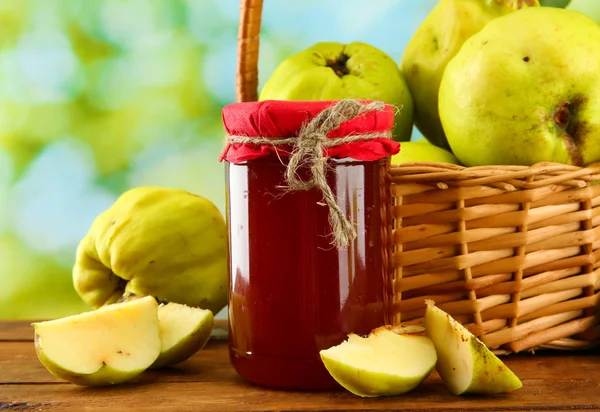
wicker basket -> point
(512, 252)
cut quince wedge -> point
(465, 364)
(391, 361)
(184, 330)
(108, 346)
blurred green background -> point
(99, 96)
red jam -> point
(292, 292)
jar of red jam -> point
(299, 283)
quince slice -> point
(465, 364)
(184, 331)
(108, 346)
(386, 363)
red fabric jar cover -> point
(283, 119)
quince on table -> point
(109, 346)
(116, 343)
(390, 361)
(162, 242)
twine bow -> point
(308, 149)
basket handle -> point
(246, 85)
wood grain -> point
(207, 382)
(16, 330)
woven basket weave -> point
(512, 252)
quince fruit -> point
(109, 346)
(162, 242)
(435, 43)
(390, 361)
(183, 332)
(423, 151)
(525, 89)
(465, 363)
(335, 71)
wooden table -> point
(207, 382)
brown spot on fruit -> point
(574, 130)
(339, 65)
(526, 59)
(562, 116)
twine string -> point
(309, 149)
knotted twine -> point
(308, 151)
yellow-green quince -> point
(163, 242)
(335, 71)
(435, 42)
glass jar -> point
(292, 292)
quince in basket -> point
(525, 89)
(116, 343)
(423, 151)
(394, 360)
(335, 71)
(435, 43)
(167, 243)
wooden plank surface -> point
(16, 330)
(207, 382)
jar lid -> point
(277, 119)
